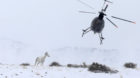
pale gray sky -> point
(49, 24)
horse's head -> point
(46, 54)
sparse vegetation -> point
(77, 66)
(130, 65)
(97, 68)
(16, 74)
(25, 64)
(55, 64)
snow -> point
(28, 28)
(11, 59)
(16, 71)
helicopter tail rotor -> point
(123, 19)
(112, 22)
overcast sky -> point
(49, 24)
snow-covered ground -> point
(16, 71)
(14, 53)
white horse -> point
(40, 60)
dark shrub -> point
(130, 65)
(25, 64)
(73, 65)
(77, 66)
(55, 64)
(97, 68)
(85, 65)
(69, 65)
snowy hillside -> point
(15, 50)
(14, 53)
(79, 55)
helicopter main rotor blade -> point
(108, 1)
(87, 12)
(85, 4)
(112, 22)
(123, 19)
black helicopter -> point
(98, 23)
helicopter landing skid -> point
(101, 38)
(86, 31)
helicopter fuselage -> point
(98, 23)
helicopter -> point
(98, 23)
